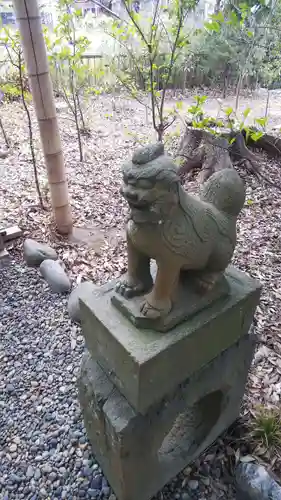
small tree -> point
(11, 41)
(235, 40)
(66, 53)
(153, 46)
(270, 70)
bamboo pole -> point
(35, 55)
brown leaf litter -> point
(117, 125)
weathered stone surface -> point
(254, 483)
(149, 153)
(55, 276)
(140, 453)
(34, 252)
(180, 231)
(5, 258)
(82, 290)
(11, 233)
(146, 365)
(188, 302)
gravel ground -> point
(44, 451)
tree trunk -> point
(4, 134)
(212, 153)
(199, 149)
(225, 79)
(217, 6)
(267, 103)
(28, 18)
(31, 145)
(238, 90)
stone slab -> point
(138, 453)
(146, 365)
(2, 236)
(187, 302)
(9, 234)
(12, 233)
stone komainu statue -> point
(181, 232)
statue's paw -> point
(149, 311)
(155, 309)
(129, 289)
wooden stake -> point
(35, 55)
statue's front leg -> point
(138, 279)
(159, 301)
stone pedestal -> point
(152, 402)
(5, 258)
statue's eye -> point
(144, 184)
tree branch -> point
(113, 14)
(180, 24)
(130, 52)
(138, 28)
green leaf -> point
(195, 124)
(246, 112)
(200, 99)
(261, 121)
(233, 19)
(232, 140)
(255, 136)
(228, 111)
(205, 122)
(250, 34)
(219, 17)
(218, 123)
(179, 105)
(249, 202)
(192, 109)
(212, 26)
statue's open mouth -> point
(143, 212)
(140, 205)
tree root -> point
(199, 149)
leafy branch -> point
(66, 50)
(163, 27)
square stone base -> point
(139, 453)
(146, 365)
(5, 259)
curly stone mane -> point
(149, 163)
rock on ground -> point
(55, 276)
(81, 291)
(35, 252)
(254, 483)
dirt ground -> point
(255, 100)
(117, 125)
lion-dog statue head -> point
(150, 184)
